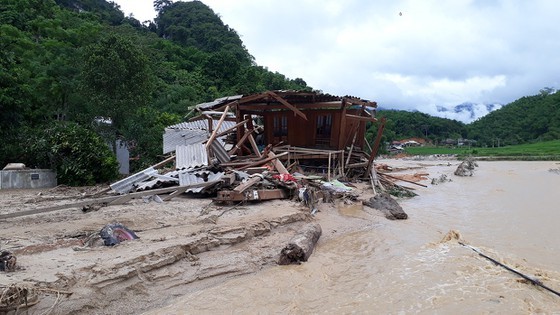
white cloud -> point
(437, 53)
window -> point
(324, 126)
(280, 126)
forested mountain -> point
(404, 124)
(528, 119)
(69, 67)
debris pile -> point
(466, 168)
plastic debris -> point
(114, 233)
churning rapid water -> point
(508, 210)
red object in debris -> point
(285, 177)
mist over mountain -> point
(466, 112)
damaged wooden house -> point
(260, 146)
(316, 130)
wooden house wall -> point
(303, 133)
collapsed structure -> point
(267, 146)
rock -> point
(386, 204)
(466, 168)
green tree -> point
(117, 78)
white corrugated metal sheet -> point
(126, 185)
(186, 133)
(190, 156)
(174, 137)
(201, 125)
(189, 178)
(219, 101)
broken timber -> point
(113, 200)
(258, 194)
(301, 245)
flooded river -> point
(508, 210)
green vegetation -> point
(80, 69)
(528, 119)
(545, 150)
(81, 62)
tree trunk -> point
(301, 245)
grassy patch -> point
(546, 150)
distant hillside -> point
(528, 119)
(404, 124)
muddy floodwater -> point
(508, 210)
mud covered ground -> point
(185, 244)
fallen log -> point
(386, 204)
(301, 245)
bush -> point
(79, 155)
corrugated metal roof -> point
(190, 156)
(175, 137)
(201, 125)
(189, 178)
(218, 102)
(126, 185)
(220, 152)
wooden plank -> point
(277, 164)
(361, 118)
(251, 98)
(376, 144)
(231, 128)
(285, 103)
(260, 107)
(263, 194)
(261, 162)
(162, 163)
(246, 185)
(215, 132)
(254, 145)
(238, 145)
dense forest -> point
(78, 74)
(69, 65)
(528, 119)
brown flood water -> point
(508, 210)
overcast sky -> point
(413, 55)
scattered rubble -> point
(466, 168)
(441, 179)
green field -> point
(546, 150)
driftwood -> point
(386, 204)
(301, 245)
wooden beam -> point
(376, 144)
(230, 129)
(361, 118)
(342, 132)
(254, 145)
(285, 103)
(278, 165)
(239, 143)
(257, 163)
(261, 194)
(215, 132)
(253, 97)
(246, 185)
